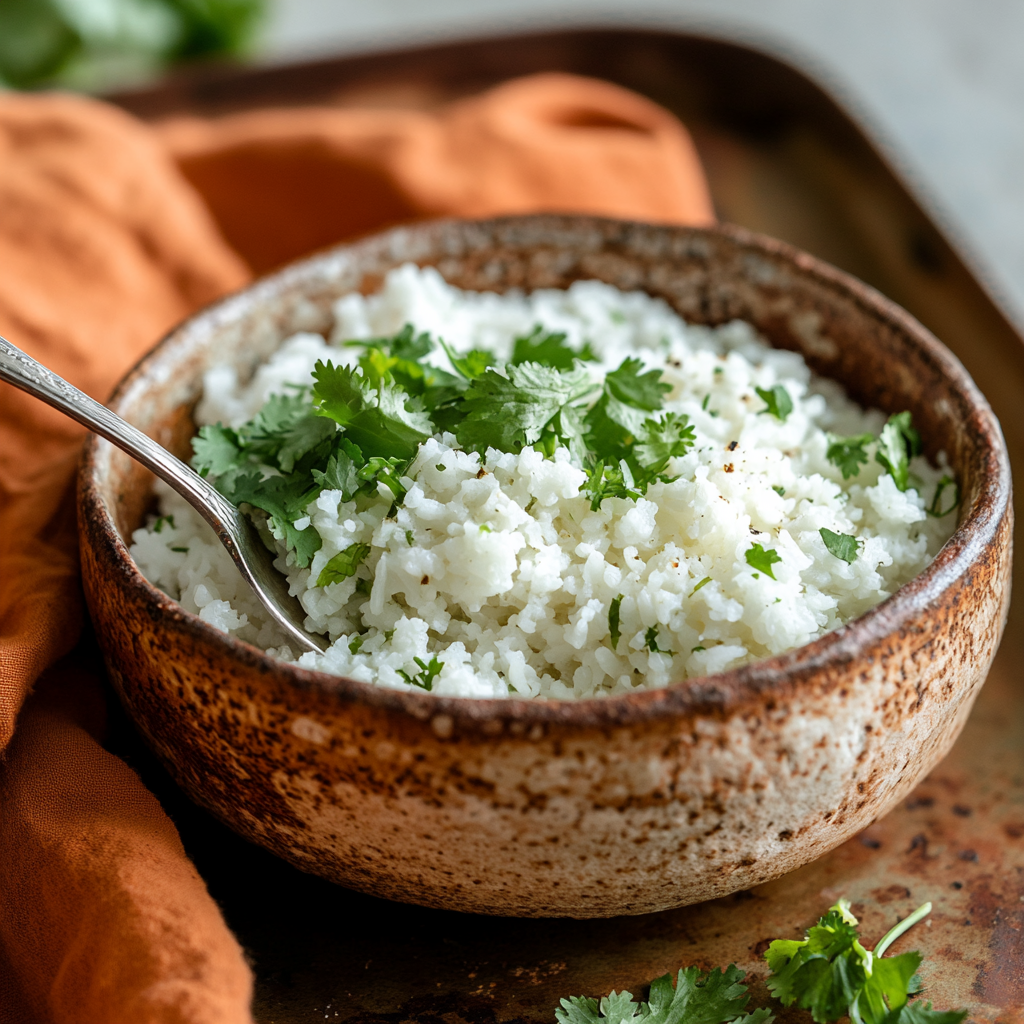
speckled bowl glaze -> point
(623, 805)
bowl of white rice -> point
(651, 562)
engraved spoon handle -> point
(249, 553)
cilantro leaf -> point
(897, 444)
(842, 545)
(663, 439)
(762, 559)
(935, 508)
(613, 621)
(847, 453)
(217, 449)
(699, 997)
(375, 419)
(509, 412)
(548, 348)
(639, 390)
(343, 564)
(651, 640)
(920, 1012)
(424, 679)
(473, 363)
(284, 499)
(610, 480)
(777, 400)
(341, 474)
(161, 522)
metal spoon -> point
(236, 532)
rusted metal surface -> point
(781, 158)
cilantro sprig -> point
(699, 997)
(830, 973)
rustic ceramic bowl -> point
(617, 806)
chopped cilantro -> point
(699, 997)
(707, 398)
(762, 559)
(898, 443)
(163, 521)
(639, 390)
(484, 528)
(830, 973)
(549, 349)
(777, 401)
(409, 538)
(842, 545)
(424, 679)
(780, 491)
(613, 621)
(935, 508)
(354, 644)
(651, 640)
(699, 647)
(183, 551)
(703, 582)
(848, 454)
(343, 564)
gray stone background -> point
(939, 84)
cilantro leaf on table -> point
(842, 545)
(699, 997)
(762, 559)
(898, 443)
(509, 412)
(847, 454)
(374, 418)
(830, 973)
(343, 564)
(777, 401)
(549, 348)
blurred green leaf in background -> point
(98, 44)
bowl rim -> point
(775, 676)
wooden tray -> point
(784, 159)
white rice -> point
(507, 576)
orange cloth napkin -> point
(110, 232)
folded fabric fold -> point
(111, 232)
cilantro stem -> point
(905, 925)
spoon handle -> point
(21, 370)
(249, 553)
